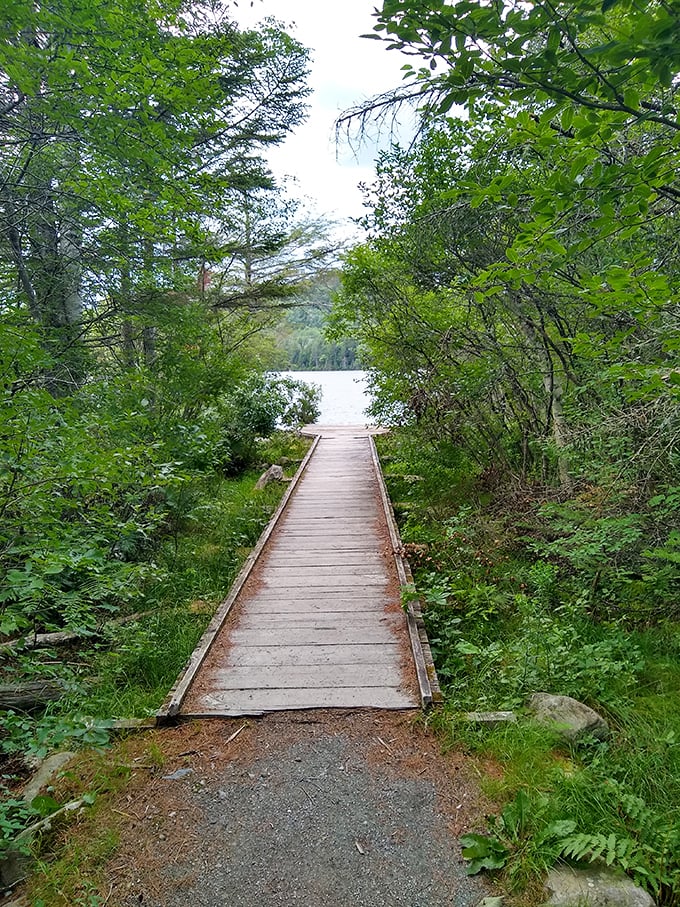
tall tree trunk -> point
(553, 383)
(149, 345)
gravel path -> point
(326, 810)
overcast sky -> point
(346, 69)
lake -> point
(344, 395)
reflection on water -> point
(345, 396)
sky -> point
(345, 70)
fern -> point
(609, 848)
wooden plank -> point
(338, 603)
(340, 578)
(323, 698)
(331, 525)
(270, 677)
(311, 636)
(365, 653)
(316, 619)
(277, 574)
(320, 558)
(326, 600)
(317, 543)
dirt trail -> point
(325, 808)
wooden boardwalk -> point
(317, 622)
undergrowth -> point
(126, 669)
(523, 593)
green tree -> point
(123, 127)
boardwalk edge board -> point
(428, 682)
(173, 702)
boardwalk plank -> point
(312, 636)
(340, 579)
(290, 619)
(366, 654)
(309, 573)
(340, 604)
(272, 677)
(240, 701)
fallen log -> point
(62, 637)
(29, 696)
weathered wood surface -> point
(27, 697)
(318, 624)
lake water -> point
(344, 396)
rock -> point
(273, 474)
(14, 867)
(48, 769)
(178, 774)
(568, 716)
(491, 719)
(594, 887)
(491, 902)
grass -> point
(75, 870)
(219, 523)
(508, 616)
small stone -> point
(180, 773)
(569, 717)
(491, 719)
(491, 902)
(594, 887)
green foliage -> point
(511, 607)
(14, 816)
(126, 670)
(483, 852)
(304, 338)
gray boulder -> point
(594, 887)
(273, 474)
(568, 716)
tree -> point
(549, 211)
(123, 127)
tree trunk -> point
(149, 345)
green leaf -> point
(44, 805)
